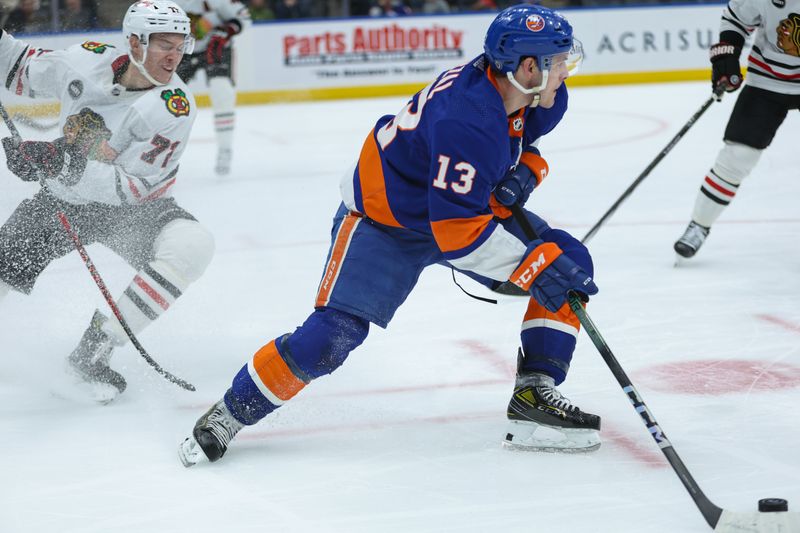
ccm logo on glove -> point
(530, 267)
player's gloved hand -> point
(726, 74)
(84, 133)
(549, 275)
(518, 184)
(30, 160)
(220, 39)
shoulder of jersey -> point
(88, 50)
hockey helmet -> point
(157, 16)
(530, 31)
(147, 17)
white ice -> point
(406, 435)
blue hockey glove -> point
(549, 275)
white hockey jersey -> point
(208, 14)
(149, 128)
(774, 62)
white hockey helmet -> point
(147, 17)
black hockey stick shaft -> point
(10, 124)
(710, 512)
(646, 172)
(96, 275)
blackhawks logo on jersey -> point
(789, 35)
(177, 103)
(97, 48)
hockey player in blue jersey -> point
(432, 185)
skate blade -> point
(533, 437)
(79, 390)
(190, 452)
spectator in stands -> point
(389, 8)
(291, 9)
(359, 8)
(483, 5)
(28, 17)
(432, 7)
(74, 15)
(259, 10)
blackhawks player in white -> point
(126, 119)
(214, 25)
(771, 90)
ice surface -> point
(406, 435)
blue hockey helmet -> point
(527, 31)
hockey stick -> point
(96, 275)
(719, 519)
(711, 99)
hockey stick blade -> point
(781, 522)
(719, 519)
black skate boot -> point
(691, 240)
(89, 361)
(541, 419)
(211, 435)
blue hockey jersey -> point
(432, 167)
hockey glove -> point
(32, 160)
(725, 70)
(518, 183)
(549, 275)
(85, 133)
(220, 39)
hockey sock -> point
(265, 383)
(223, 100)
(733, 164)
(548, 340)
(153, 290)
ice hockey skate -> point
(211, 435)
(224, 159)
(541, 419)
(691, 240)
(89, 362)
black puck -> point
(772, 505)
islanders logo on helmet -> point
(534, 23)
(177, 103)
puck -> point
(772, 505)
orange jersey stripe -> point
(341, 244)
(275, 374)
(373, 185)
(458, 233)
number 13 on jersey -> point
(461, 185)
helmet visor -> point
(575, 57)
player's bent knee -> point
(184, 247)
(735, 162)
(323, 342)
